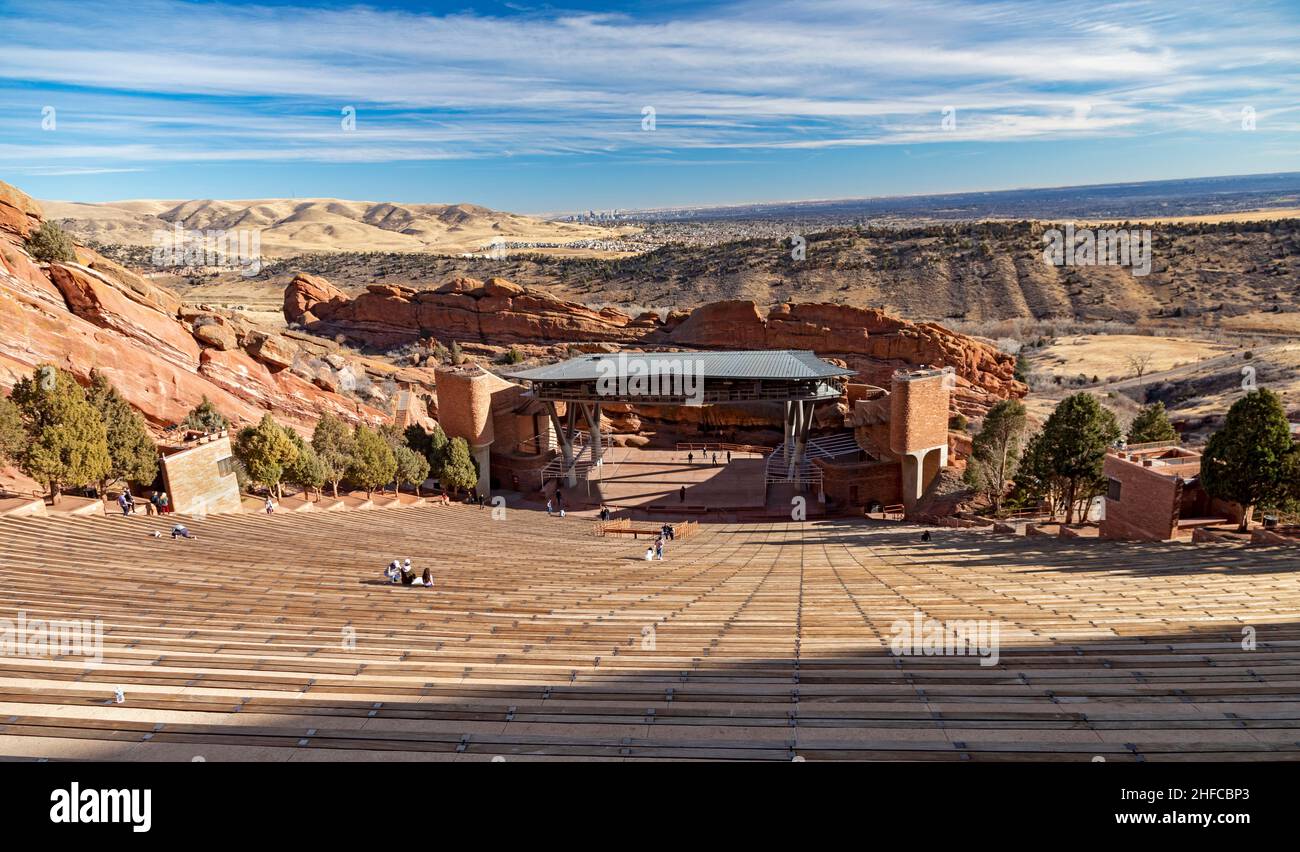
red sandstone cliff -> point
(465, 310)
(162, 357)
(501, 313)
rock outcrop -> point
(164, 358)
(501, 313)
(464, 310)
(867, 340)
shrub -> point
(51, 245)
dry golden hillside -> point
(300, 226)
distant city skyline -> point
(635, 105)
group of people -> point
(159, 502)
(656, 550)
(553, 502)
(690, 457)
(400, 571)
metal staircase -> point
(827, 447)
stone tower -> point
(918, 427)
(465, 411)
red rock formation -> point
(869, 341)
(463, 310)
(163, 359)
(103, 302)
(307, 291)
(19, 214)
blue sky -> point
(540, 107)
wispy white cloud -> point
(171, 81)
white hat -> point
(408, 562)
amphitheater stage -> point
(273, 637)
(633, 478)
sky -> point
(578, 105)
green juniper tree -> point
(1249, 461)
(373, 464)
(457, 472)
(66, 444)
(205, 418)
(1150, 425)
(1073, 448)
(334, 445)
(307, 471)
(51, 244)
(266, 451)
(12, 434)
(412, 468)
(134, 458)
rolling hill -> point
(300, 226)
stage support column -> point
(593, 423)
(788, 439)
(571, 464)
(563, 437)
(803, 421)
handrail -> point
(1150, 445)
(708, 446)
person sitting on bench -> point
(425, 579)
(394, 571)
(649, 553)
(408, 574)
(179, 531)
(925, 536)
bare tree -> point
(1139, 362)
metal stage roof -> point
(743, 364)
(687, 378)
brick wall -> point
(918, 413)
(1148, 506)
(194, 482)
(878, 481)
(465, 404)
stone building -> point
(509, 434)
(904, 441)
(199, 475)
(1154, 494)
